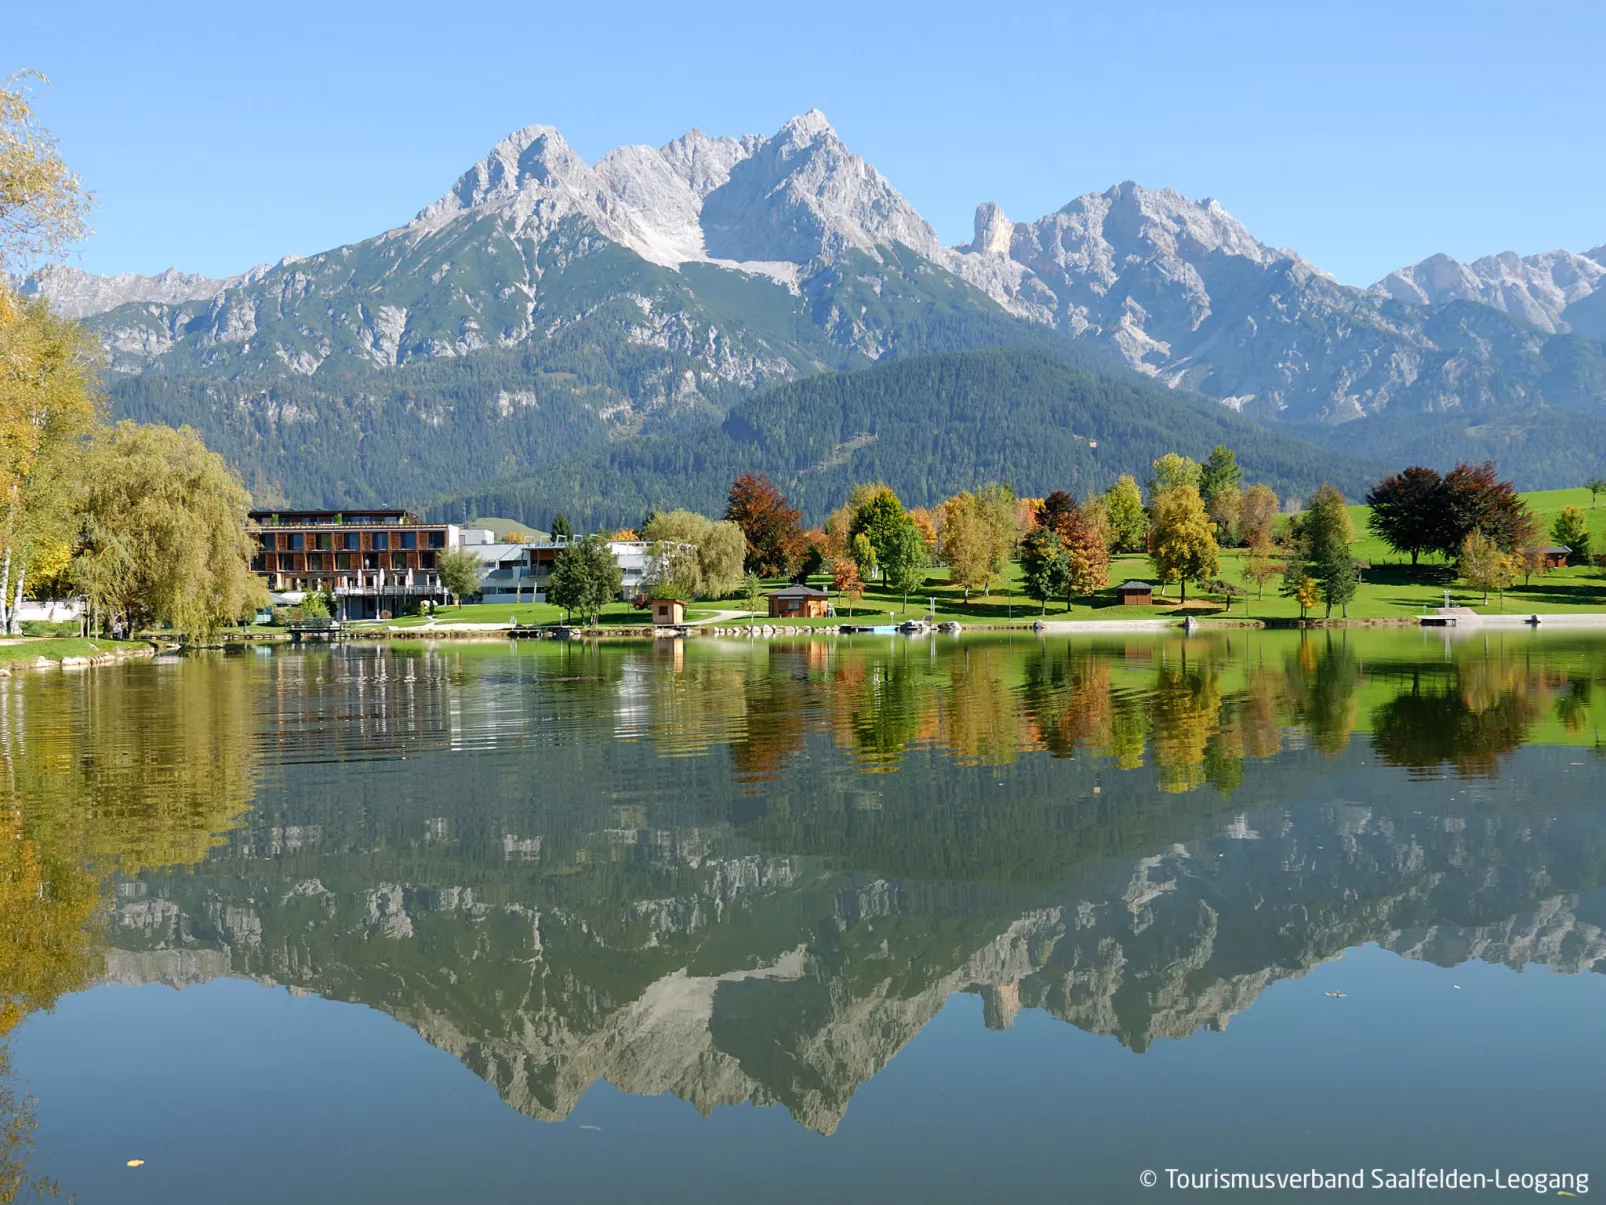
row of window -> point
(350, 541)
(317, 562)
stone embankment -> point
(67, 654)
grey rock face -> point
(1540, 289)
(74, 293)
(1178, 289)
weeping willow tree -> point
(162, 536)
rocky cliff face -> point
(798, 241)
(1550, 290)
(75, 293)
(1181, 290)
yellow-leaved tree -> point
(46, 395)
(1182, 539)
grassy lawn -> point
(1545, 505)
(29, 649)
(1390, 589)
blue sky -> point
(1364, 135)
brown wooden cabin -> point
(667, 612)
(1135, 594)
(1556, 556)
(800, 602)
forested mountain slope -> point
(929, 427)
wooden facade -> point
(667, 612)
(364, 558)
(800, 602)
(1135, 594)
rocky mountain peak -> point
(805, 128)
(1549, 289)
(536, 154)
(993, 230)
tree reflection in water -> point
(752, 872)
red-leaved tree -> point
(775, 538)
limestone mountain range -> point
(662, 281)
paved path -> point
(722, 617)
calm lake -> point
(858, 919)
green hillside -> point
(929, 427)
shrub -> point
(44, 627)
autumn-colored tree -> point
(1483, 565)
(926, 524)
(772, 528)
(1260, 560)
(978, 535)
(846, 582)
(1258, 510)
(1307, 592)
(43, 206)
(1087, 555)
(1182, 544)
(47, 407)
(1408, 510)
(1474, 499)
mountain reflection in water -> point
(753, 872)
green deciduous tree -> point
(1182, 544)
(700, 556)
(1596, 486)
(1123, 512)
(1172, 471)
(163, 532)
(585, 578)
(753, 592)
(1045, 567)
(461, 571)
(878, 516)
(905, 560)
(1571, 529)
